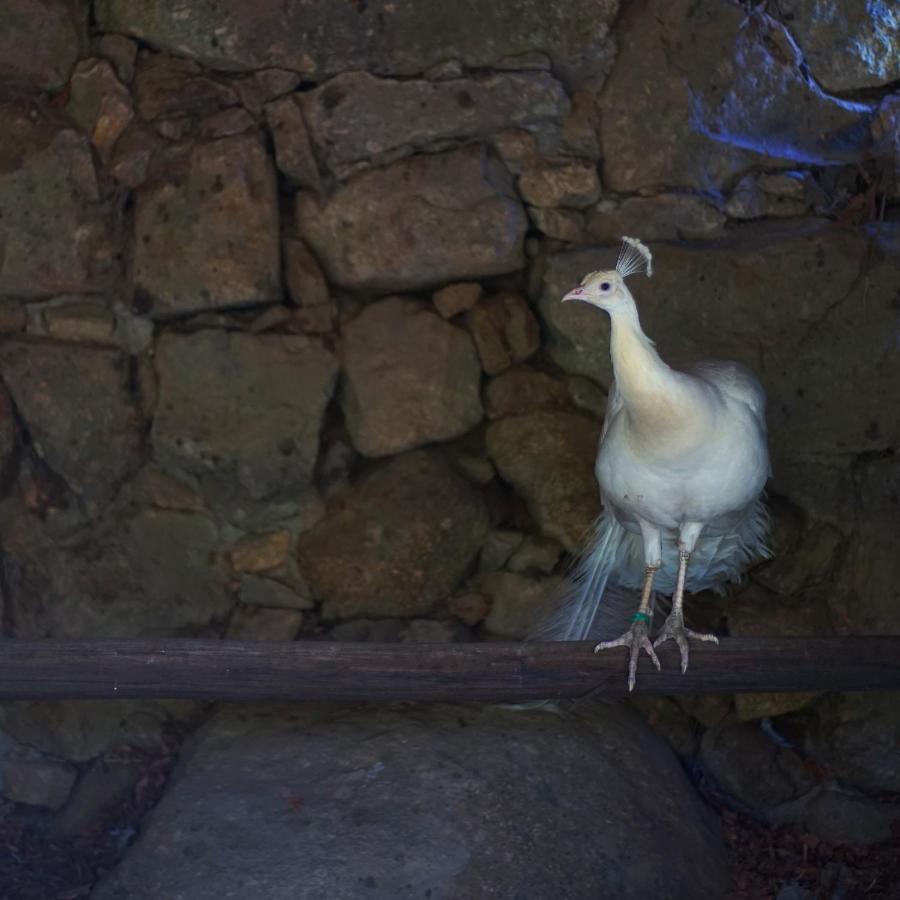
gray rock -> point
(242, 413)
(668, 719)
(518, 603)
(694, 97)
(81, 415)
(31, 778)
(206, 233)
(55, 231)
(548, 457)
(848, 45)
(661, 218)
(398, 543)
(375, 631)
(745, 762)
(385, 38)
(313, 802)
(152, 573)
(410, 378)
(857, 736)
(505, 331)
(417, 223)
(357, 120)
(40, 41)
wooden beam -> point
(500, 672)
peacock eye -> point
(605, 286)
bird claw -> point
(637, 638)
(674, 629)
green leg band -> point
(640, 617)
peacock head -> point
(606, 288)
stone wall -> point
(282, 352)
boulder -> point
(397, 543)
(207, 231)
(40, 41)
(79, 411)
(417, 223)
(358, 120)
(848, 46)
(314, 801)
(695, 97)
(55, 230)
(410, 378)
(241, 412)
(453, 299)
(548, 458)
(385, 37)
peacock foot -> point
(637, 638)
(674, 629)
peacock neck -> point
(652, 393)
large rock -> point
(548, 457)
(398, 543)
(40, 41)
(410, 378)
(241, 412)
(152, 573)
(358, 120)
(420, 222)
(849, 45)
(315, 802)
(54, 230)
(206, 232)
(79, 411)
(385, 37)
(694, 95)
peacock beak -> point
(578, 294)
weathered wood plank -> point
(314, 670)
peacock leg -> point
(637, 637)
(674, 627)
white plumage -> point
(681, 467)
